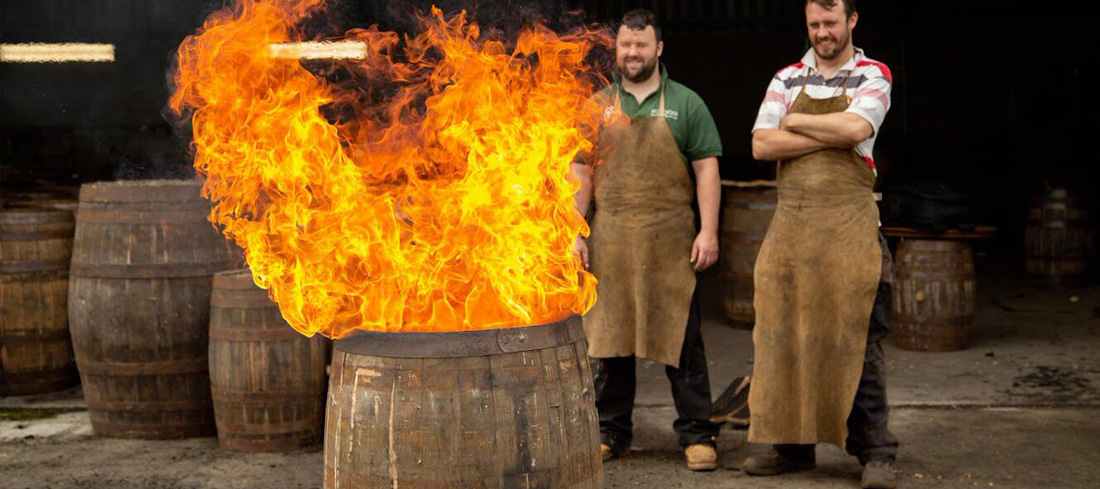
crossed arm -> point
(801, 134)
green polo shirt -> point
(687, 116)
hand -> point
(580, 248)
(704, 252)
(787, 121)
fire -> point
(444, 202)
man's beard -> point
(840, 46)
(643, 74)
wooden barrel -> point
(495, 408)
(139, 306)
(36, 354)
(746, 214)
(933, 304)
(63, 204)
(1059, 239)
(268, 381)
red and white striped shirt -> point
(868, 85)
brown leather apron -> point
(640, 246)
(815, 282)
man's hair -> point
(638, 19)
(849, 5)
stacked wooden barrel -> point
(268, 381)
(35, 350)
(139, 306)
(493, 408)
(746, 213)
(1060, 241)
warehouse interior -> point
(992, 100)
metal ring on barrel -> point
(453, 344)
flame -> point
(444, 203)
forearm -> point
(583, 196)
(838, 129)
(708, 189)
(780, 144)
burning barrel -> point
(267, 380)
(492, 408)
(36, 354)
(139, 306)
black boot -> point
(783, 459)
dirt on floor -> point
(1019, 409)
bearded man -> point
(823, 274)
(657, 155)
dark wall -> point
(990, 97)
(84, 121)
(993, 98)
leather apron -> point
(815, 283)
(639, 249)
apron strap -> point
(661, 103)
(806, 79)
(844, 86)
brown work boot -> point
(879, 475)
(608, 453)
(701, 456)
(775, 464)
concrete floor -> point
(1019, 409)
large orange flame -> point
(448, 205)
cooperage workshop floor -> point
(1019, 409)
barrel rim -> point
(129, 191)
(235, 279)
(454, 344)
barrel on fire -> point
(36, 353)
(934, 296)
(495, 408)
(746, 214)
(139, 306)
(268, 381)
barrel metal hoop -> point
(231, 333)
(167, 214)
(134, 369)
(28, 266)
(266, 397)
(147, 406)
(284, 443)
(452, 344)
(254, 298)
(153, 429)
(31, 337)
(146, 270)
(307, 425)
(65, 233)
(35, 276)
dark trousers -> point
(616, 385)
(868, 436)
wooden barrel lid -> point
(453, 344)
(167, 191)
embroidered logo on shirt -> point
(669, 114)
